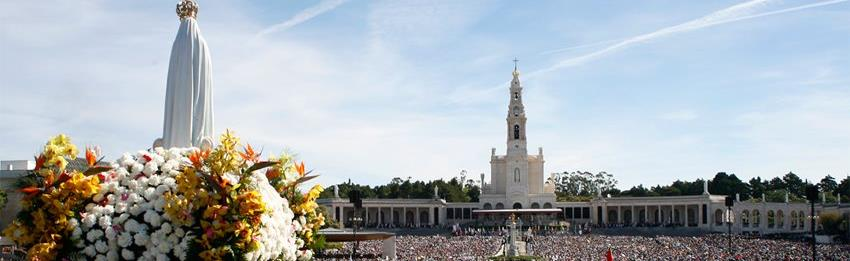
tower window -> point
(516, 132)
(516, 95)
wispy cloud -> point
(739, 12)
(303, 16)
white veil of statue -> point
(189, 93)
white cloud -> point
(738, 12)
(303, 16)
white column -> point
(658, 214)
(342, 216)
(699, 215)
(605, 214)
(634, 221)
(686, 215)
(416, 217)
(392, 216)
(404, 216)
(619, 214)
(430, 216)
(645, 214)
(366, 219)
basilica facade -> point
(516, 178)
(517, 181)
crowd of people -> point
(707, 247)
(558, 246)
(433, 247)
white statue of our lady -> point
(188, 97)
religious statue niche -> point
(516, 175)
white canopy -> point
(189, 92)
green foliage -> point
(583, 183)
(832, 223)
(457, 189)
(3, 199)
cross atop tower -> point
(515, 63)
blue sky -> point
(651, 91)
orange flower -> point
(272, 173)
(300, 168)
(91, 156)
(30, 190)
(197, 157)
(249, 154)
(39, 162)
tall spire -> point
(516, 72)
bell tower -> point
(517, 152)
(516, 118)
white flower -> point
(90, 251)
(127, 254)
(105, 221)
(112, 255)
(150, 168)
(154, 180)
(125, 239)
(141, 239)
(153, 218)
(94, 234)
(101, 246)
(131, 225)
(150, 194)
(110, 233)
(136, 169)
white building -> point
(517, 181)
(516, 178)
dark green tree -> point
(828, 184)
(794, 184)
(757, 187)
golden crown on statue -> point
(187, 8)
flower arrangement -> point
(167, 204)
(308, 220)
(54, 197)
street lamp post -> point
(356, 222)
(812, 196)
(729, 217)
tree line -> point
(583, 186)
(580, 185)
(456, 189)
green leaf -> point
(96, 170)
(261, 165)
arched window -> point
(780, 219)
(745, 218)
(516, 132)
(771, 219)
(516, 175)
(516, 95)
(756, 220)
(793, 220)
(517, 205)
(718, 217)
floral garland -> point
(285, 177)
(53, 199)
(179, 203)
